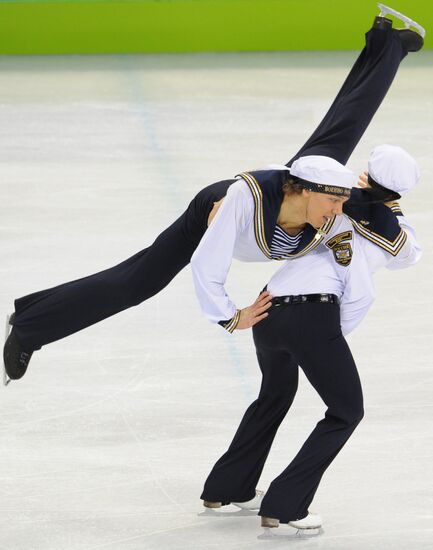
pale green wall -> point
(104, 26)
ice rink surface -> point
(108, 439)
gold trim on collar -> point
(259, 225)
(316, 240)
(258, 213)
(393, 247)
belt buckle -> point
(324, 298)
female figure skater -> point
(49, 315)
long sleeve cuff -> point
(232, 323)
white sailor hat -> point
(393, 168)
(323, 175)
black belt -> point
(305, 298)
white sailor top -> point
(344, 265)
(244, 226)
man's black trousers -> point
(52, 314)
(308, 335)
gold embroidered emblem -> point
(346, 236)
(364, 222)
(343, 253)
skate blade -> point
(289, 533)
(8, 328)
(385, 10)
(212, 513)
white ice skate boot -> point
(311, 521)
(253, 504)
(210, 504)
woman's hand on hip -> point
(255, 313)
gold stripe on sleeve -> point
(233, 323)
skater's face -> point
(321, 206)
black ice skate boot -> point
(382, 22)
(413, 39)
(15, 358)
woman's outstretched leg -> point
(52, 314)
(49, 315)
(359, 98)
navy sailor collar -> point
(375, 221)
(266, 189)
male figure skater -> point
(315, 302)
